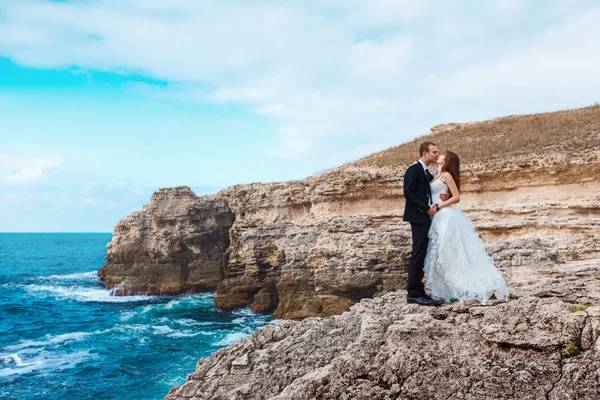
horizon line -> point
(1, 232)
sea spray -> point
(121, 289)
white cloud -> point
(347, 73)
(21, 170)
(273, 58)
(562, 59)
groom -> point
(418, 211)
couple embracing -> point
(446, 246)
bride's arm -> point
(449, 180)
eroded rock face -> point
(543, 343)
(175, 244)
(316, 246)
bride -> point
(456, 264)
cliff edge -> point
(317, 246)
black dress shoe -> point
(422, 301)
(438, 300)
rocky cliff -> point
(317, 246)
(542, 344)
(174, 245)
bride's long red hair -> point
(452, 166)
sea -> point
(63, 336)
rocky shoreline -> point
(544, 343)
(334, 245)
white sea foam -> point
(147, 308)
(184, 334)
(43, 361)
(127, 315)
(50, 340)
(134, 327)
(14, 359)
(162, 330)
(79, 293)
(173, 333)
(194, 300)
(191, 322)
(172, 304)
(240, 320)
(88, 276)
(231, 339)
(121, 289)
(246, 312)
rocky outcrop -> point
(542, 344)
(296, 248)
(317, 246)
(174, 245)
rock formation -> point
(174, 245)
(317, 246)
(542, 344)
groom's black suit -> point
(417, 193)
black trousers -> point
(414, 284)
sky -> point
(103, 102)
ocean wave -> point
(43, 361)
(15, 359)
(88, 276)
(245, 312)
(191, 322)
(80, 293)
(50, 340)
(162, 330)
(186, 334)
(130, 328)
(30, 346)
(127, 315)
(231, 339)
(191, 300)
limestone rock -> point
(174, 245)
(534, 346)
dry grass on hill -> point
(571, 130)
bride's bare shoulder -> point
(445, 177)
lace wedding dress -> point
(456, 263)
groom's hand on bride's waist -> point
(444, 197)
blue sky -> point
(102, 102)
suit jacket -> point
(417, 193)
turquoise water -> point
(62, 336)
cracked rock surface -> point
(544, 343)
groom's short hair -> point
(424, 148)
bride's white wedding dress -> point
(456, 263)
